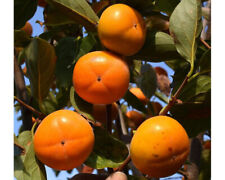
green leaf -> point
(87, 43)
(142, 6)
(199, 85)
(185, 27)
(21, 38)
(79, 11)
(65, 52)
(194, 117)
(49, 104)
(205, 62)
(147, 80)
(178, 64)
(54, 17)
(23, 11)
(26, 166)
(134, 102)
(18, 149)
(40, 63)
(81, 106)
(108, 151)
(166, 6)
(205, 165)
(158, 47)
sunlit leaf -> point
(158, 47)
(185, 27)
(108, 151)
(199, 85)
(26, 166)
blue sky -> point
(37, 30)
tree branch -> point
(174, 98)
(40, 115)
(22, 94)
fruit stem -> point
(40, 115)
(32, 130)
(205, 43)
(174, 98)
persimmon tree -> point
(178, 34)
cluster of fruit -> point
(64, 139)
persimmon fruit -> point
(135, 117)
(122, 29)
(27, 28)
(63, 140)
(159, 147)
(139, 94)
(101, 77)
(100, 112)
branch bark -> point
(21, 91)
(194, 158)
(174, 98)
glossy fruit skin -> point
(136, 117)
(100, 112)
(27, 28)
(42, 3)
(159, 147)
(101, 77)
(122, 29)
(139, 94)
(63, 140)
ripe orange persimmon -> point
(159, 147)
(122, 29)
(101, 77)
(63, 140)
(42, 3)
(139, 94)
(135, 117)
(27, 28)
(100, 112)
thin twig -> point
(205, 43)
(40, 115)
(121, 167)
(174, 98)
(122, 122)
